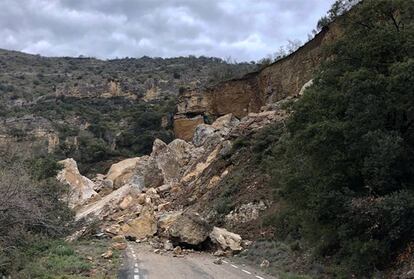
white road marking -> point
(258, 277)
(245, 271)
(235, 266)
(136, 276)
(136, 270)
(225, 262)
(136, 265)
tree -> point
(347, 161)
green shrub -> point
(345, 166)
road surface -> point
(142, 263)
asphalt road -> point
(142, 263)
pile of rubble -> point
(134, 200)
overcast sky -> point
(243, 29)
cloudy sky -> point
(243, 29)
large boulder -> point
(172, 158)
(140, 172)
(226, 240)
(121, 173)
(190, 228)
(81, 187)
(166, 220)
(143, 226)
(201, 134)
(99, 209)
(147, 169)
(225, 123)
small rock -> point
(163, 206)
(151, 191)
(168, 246)
(218, 261)
(119, 246)
(107, 255)
(141, 199)
(177, 250)
(265, 264)
(118, 238)
(157, 251)
(246, 243)
(219, 253)
(89, 258)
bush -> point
(31, 207)
(345, 166)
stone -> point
(219, 253)
(166, 220)
(81, 188)
(119, 246)
(171, 158)
(141, 199)
(143, 226)
(190, 228)
(225, 124)
(121, 173)
(226, 148)
(118, 238)
(178, 251)
(168, 246)
(126, 202)
(164, 188)
(202, 134)
(163, 206)
(103, 186)
(265, 264)
(218, 261)
(226, 240)
(151, 191)
(245, 213)
(107, 255)
(147, 169)
(305, 86)
(100, 208)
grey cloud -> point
(243, 29)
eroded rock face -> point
(190, 228)
(248, 94)
(184, 127)
(81, 187)
(227, 240)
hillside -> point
(300, 169)
(96, 110)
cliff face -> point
(281, 79)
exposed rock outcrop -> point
(248, 94)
